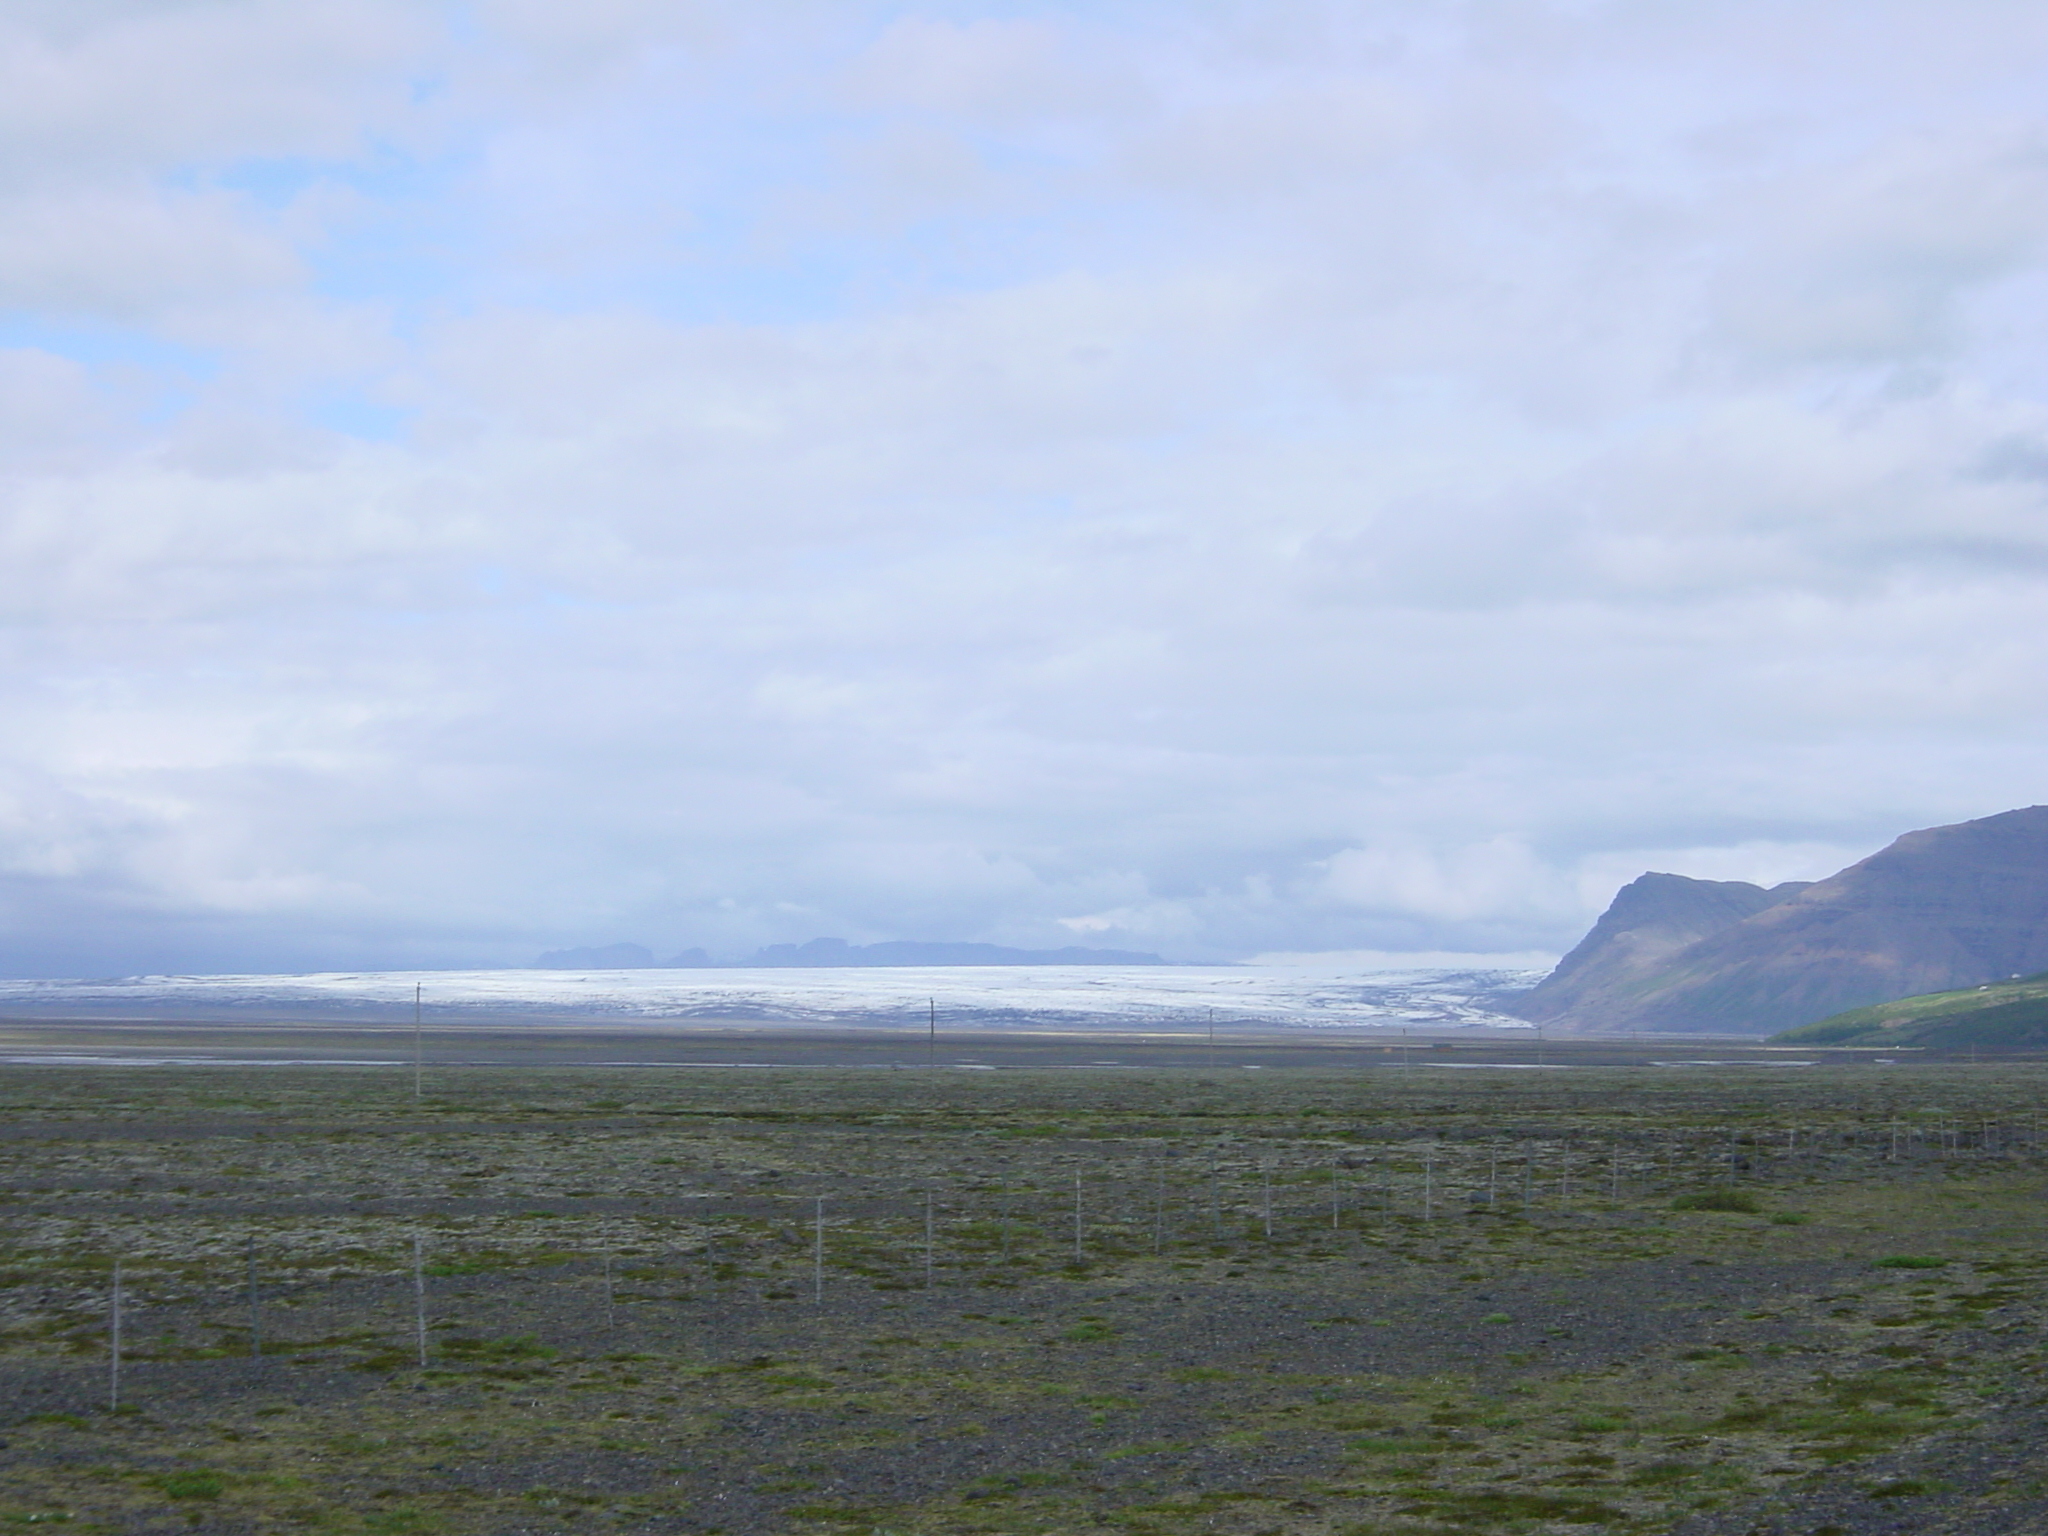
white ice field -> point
(965, 997)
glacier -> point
(1178, 998)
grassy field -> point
(1377, 1302)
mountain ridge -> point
(1938, 909)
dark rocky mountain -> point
(1940, 909)
(606, 957)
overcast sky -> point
(1201, 477)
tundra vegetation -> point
(850, 1303)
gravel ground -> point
(1303, 1302)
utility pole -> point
(931, 1052)
(417, 1052)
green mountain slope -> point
(2004, 1014)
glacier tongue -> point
(1140, 997)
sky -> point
(1216, 479)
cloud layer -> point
(1283, 478)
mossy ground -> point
(1363, 1304)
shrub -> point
(191, 1485)
(1493, 1507)
(1719, 1200)
(522, 1346)
(1908, 1488)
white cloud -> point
(163, 82)
(1334, 478)
(1499, 878)
(1866, 264)
(124, 254)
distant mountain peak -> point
(825, 952)
(837, 952)
(606, 957)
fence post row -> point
(1700, 1153)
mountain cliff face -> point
(1652, 919)
(1939, 909)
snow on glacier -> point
(1142, 997)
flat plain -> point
(1142, 1291)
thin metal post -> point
(419, 1295)
(255, 1308)
(114, 1343)
(931, 1052)
(417, 1047)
